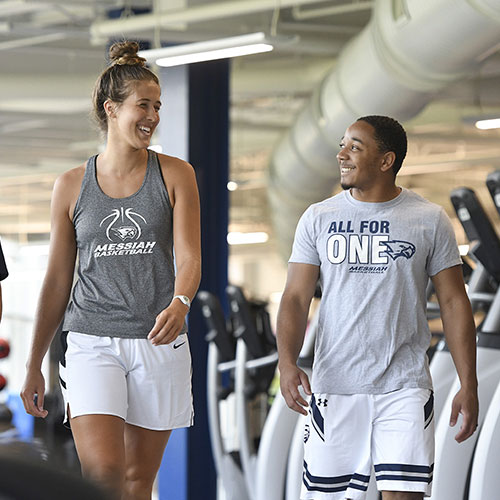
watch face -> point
(184, 299)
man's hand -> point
(291, 377)
(465, 403)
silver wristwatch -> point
(184, 299)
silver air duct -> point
(410, 50)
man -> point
(372, 248)
(3, 274)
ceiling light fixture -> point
(237, 238)
(209, 50)
(488, 124)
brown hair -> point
(116, 80)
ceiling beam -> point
(200, 13)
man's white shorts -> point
(147, 386)
(345, 435)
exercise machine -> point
(281, 452)
(453, 461)
(256, 360)
(485, 480)
(242, 361)
(220, 384)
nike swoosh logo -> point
(178, 345)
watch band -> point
(184, 299)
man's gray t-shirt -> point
(375, 260)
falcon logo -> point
(124, 232)
(123, 224)
(399, 248)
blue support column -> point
(174, 139)
(209, 151)
(195, 116)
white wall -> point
(260, 271)
(26, 265)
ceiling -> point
(51, 54)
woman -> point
(127, 374)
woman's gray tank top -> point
(126, 267)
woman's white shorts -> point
(147, 386)
(348, 435)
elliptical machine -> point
(220, 384)
(256, 360)
(241, 363)
(281, 451)
(453, 461)
(485, 480)
(480, 288)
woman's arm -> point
(56, 288)
(187, 246)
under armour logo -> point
(322, 402)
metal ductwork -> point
(410, 50)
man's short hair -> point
(390, 136)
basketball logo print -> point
(123, 225)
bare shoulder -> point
(71, 179)
(172, 166)
(67, 186)
(180, 178)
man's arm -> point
(460, 334)
(291, 327)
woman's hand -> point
(34, 387)
(168, 323)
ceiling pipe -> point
(15, 7)
(199, 13)
(394, 67)
(32, 40)
(333, 10)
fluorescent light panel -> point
(209, 50)
(488, 124)
(237, 238)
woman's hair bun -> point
(125, 53)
